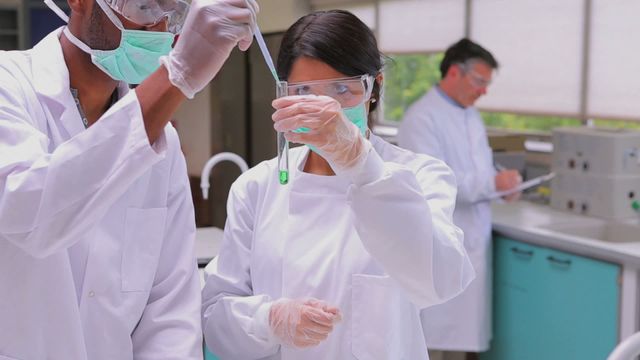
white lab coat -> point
(379, 251)
(435, 126)
(96, 225)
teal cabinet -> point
(208, 355)
(549, 304)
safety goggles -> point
(349, 92)
(476, 79)
(151, 12)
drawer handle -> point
(565, 262)
(517, 251)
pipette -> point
(265, 52)
(281, 90)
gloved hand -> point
(337, 139)
(302, 323)
(507, 180)
(211, 30)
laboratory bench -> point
(208, 241)
(558, 292)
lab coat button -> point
(91, 294)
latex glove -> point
(302, 323)
(211, 30)
(507, 180)
(337, 139)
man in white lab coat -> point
(96, 216)
(445, 124)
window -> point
(409, 76)
(526, 122)
(406, 79)
(618, 124)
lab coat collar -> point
(303, 182)
(51, 82)
(50, 73)
(447, 98)
(377, 142)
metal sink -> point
(611, 231)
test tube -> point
(283, 144)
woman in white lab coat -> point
(337, 263)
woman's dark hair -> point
(337, 38)
(463, 51)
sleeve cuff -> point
(261, 328)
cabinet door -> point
(208, 355)
(551, 305)
(516, 302)
(581, 300)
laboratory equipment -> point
(597, 172)
(281, 90)
(283, 144)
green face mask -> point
(135, 58)
(356, 114)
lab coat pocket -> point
(144, 230)
(381, 314)
(7, 358)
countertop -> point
(525, 221)
(208, 240)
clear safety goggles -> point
(151, 12)
(476, 79)
(349, 92)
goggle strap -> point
(75, 41)
(56, 9)
(110, 14)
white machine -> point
(597, 172)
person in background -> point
(96, 216)
(445, 124)
(337, 263)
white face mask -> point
(134, 59)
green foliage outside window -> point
(618, 124)
(526, 122)
(406, 79)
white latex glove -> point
(337, 139)
(211, 30)
(302, 323)
(507, 180)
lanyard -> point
(76, 99)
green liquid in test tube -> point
(283, 144)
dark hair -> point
(464, 50)
(337, 38)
